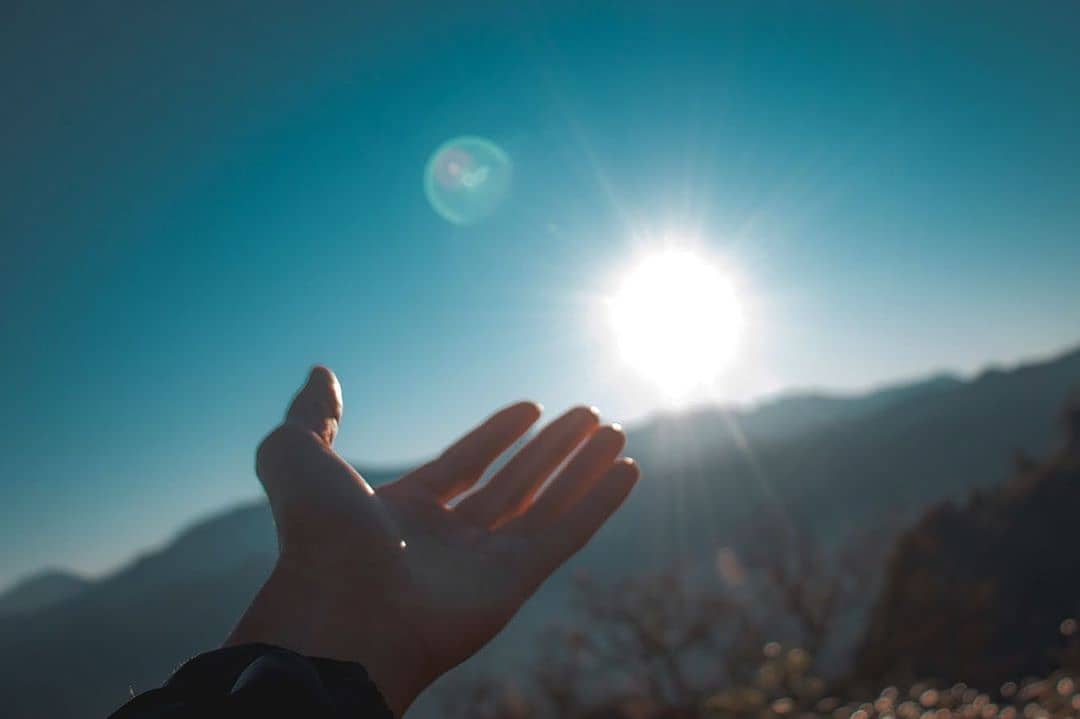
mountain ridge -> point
(841, 462)
(799, 402)
(812, 408)
(40, 589)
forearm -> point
(297, 651)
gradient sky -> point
(200, 200)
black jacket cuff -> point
(260, 680)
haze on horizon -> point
(199, 203)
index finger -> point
(462, 464)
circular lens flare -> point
(466, 179)
(676, 321)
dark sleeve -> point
(259, 680)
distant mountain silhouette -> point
(41, 590)
(840, 461)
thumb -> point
(317, 406)
(310, 487)
(303, 442)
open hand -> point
(396, 578)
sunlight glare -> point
(676, 321)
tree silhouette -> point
(978, 593)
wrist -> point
(337, 619)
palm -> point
(457, 576)
(443, 578)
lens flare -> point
(466, 179)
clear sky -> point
(199, 200)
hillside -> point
(842, 462)
(991, 579)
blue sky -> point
(199, 201)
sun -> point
(677, 321)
